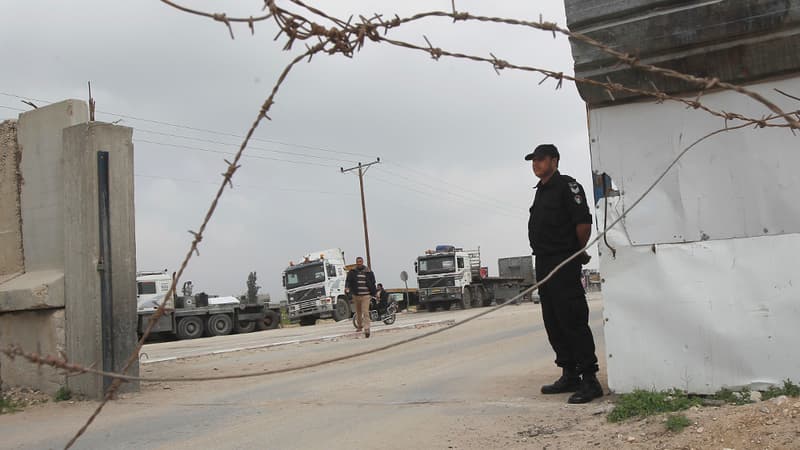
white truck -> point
(190, 316)
(449, 275)
(315, 287)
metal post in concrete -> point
(104, 266)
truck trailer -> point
(451, 275)
(520, 267)
(191, 316)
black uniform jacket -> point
(559, 205)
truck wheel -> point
(308, 320)
(447, 306)
(342, 309)
(485, 299)
(219, 325)
(246, 326)
(431, 307)
(466, 299)
(270, 321)
(189, 327)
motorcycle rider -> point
(383, 299)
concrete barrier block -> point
(42, 332)
(82, 277)
(33, 290)
(42, 191)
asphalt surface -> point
(456, 389)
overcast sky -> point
(451, 135)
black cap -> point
(543, 150)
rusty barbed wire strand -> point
(198, 236)
(13, 351)
(631, 60)
(500, 64)
(351, 37)
(221, 17)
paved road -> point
(324, 330)
(457, 389)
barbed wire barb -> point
(435, 52)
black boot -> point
(589, 390)
(569, 382)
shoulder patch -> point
(578, 199)
(574, 187)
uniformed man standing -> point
(560, 224)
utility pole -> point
(362, 170)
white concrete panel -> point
(742, 183)
(701, 316)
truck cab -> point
(151, 287)
(449, 275)
(315, 287)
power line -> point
(250, 147)
(477, 197)
(427, 194)
(260, 188)
(15, 109)
(199, 149)
(429, 175)
(201, 130)
(463, 199)
(455, 194)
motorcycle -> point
(387, 315)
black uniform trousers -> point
(566, 314)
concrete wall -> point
(54, 307)
(82, 250)
(38, 331)
(42, 191)
(11, 262)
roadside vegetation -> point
(677, 422)
(63, 394)
(642, 403)
(7, 405)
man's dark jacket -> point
(352, 281)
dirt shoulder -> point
(772, 424)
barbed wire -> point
(346, 38)
(352, 35)
(13, 351)
(703, 83)
(350, 38)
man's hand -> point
(584, 258)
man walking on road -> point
(361, 284)
(560, 224)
